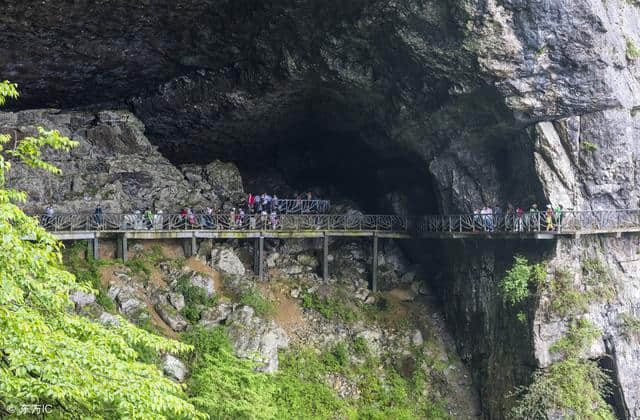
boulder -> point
(361, 294)
(403, 295)
(81, 298)
(172, 317)
(203, 282)
(295, 293)
(255, 338)
(174, 368)
(227, 261)
(416, 339)
(126, 298)
(272, 259)
(176, 300)
(213, 317)
(106, 318)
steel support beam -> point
(123, 251)
(325, 258)
(93, 250)
(261, 258)
(374, 279)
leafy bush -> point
(50, 354)
(360, 346)
(572, 387)
(515, 285)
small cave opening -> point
(614, 397)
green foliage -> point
(567, 299)
(227, 387)
(224, 386)
(572, 387)
(86, 272)
(195, 298)
(140, 266)
(337, 358)
(632, 50)
(263, 306)
(8, 90)
(330, 307)
(360, 347)
(630, 325)
(50, 354)
(522, 317)
(587, 146)
(515, 285)
(579, 337)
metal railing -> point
(294, 222)
(293, 206)
(565, 221)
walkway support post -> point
(194, 246)
(256, 256)
(374, 280)
(122, 247)
(325, 258)
(93, 250)
(261, 258)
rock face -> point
(255, 338)
(114, 165)
(227, 261)
(453, 105)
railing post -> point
(460, 222)
(450, 223)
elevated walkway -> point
(190, 229)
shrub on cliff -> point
(50, 358)
(515, 285)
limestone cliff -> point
(410, 106)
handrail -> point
(562, 221)
(565, 221)
(220, 222)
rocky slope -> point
(294, 311)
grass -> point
(331, 307)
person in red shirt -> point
(519, 216)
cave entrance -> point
(338, 164)
(614, 398)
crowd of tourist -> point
(260, 210)
(264, 211)
(517, 219)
